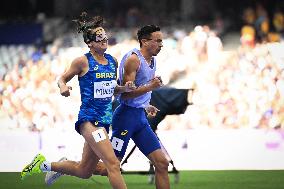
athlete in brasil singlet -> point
(97, 88)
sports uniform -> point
(129, 119)
(97, 88)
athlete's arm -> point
(129, 86)
(76, 68)
(130, 69)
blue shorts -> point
(129, 122)
(84, 117)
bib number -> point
(104, 89)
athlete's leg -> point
(34, 167)
(124, 123)
(98, 140)
(82, 169)
(121, 133)
(148, 143)
(100, 169)
(52, 176)
(161, 169)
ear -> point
(144, 41)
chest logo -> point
(96, 67)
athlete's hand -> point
(65, 90)
(129, 86)
(156, 82)
(151, 111)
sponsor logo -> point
(30, 167)
(123, 133)
(45, 166)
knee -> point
(84, 173)
(161, 164)
(101, 169)
(113, 165)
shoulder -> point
(81, 62)
(133, 60)
(132, 63)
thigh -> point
(146, 140)
(98, 140)
(122, 130)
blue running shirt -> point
(97, 88)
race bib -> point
(117, 144)
(104, 89)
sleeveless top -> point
(97, 88)
(144, 74)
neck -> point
(97, 54)
(146, 55)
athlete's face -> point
(100, 40)
(155, 43)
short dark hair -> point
(146, 31)
(86, 25)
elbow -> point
(125, 96)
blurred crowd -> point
(261, 27)
(241, 88)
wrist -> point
(60, 85)
(123, 89)
(120, 89)
(148, 87)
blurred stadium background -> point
(231, 53)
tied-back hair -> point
(86, 24)
(146, 31)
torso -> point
(97, 85)
(144, 74)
